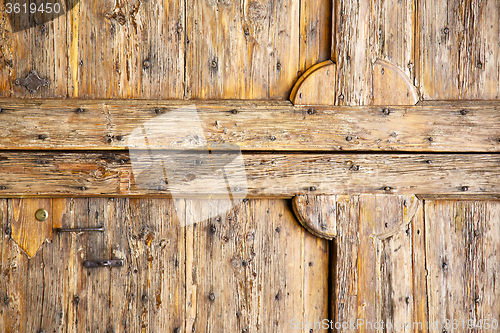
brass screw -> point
(41, 215)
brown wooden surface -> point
(317, 213)
(373, 261)
(242, 258)
(268, 175)
(462, 263)
(254, 125)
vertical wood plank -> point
(259, 57)
(365, 31)
(373, 263)
(462, 261)
(256, 261)
(459, 43)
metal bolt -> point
(348, 138)
(41, 215)
(354, 167)
(386, 111)
(42, 136)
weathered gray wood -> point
(268, 175)
(262, 268)
(373, 262)
(462, 262)
(253, 125)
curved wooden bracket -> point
(316, 86)
(317, 213)
(391, 86)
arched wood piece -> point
(29, 233)
(391, 86)
(316, 86)
(317, 213)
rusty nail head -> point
(445, 265)
(146, 64)
(214, 64)
(310, 111)
(430, 139)
(386, 111)
(428, 162)
(463, 112)
(387, 188)
(234, 111)
(312, 188)
(3, 187)
(82, 188)
(41, 215)
(8, 231)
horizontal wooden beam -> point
(253, 125)
(267, 175)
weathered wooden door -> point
(363, 135)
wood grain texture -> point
(458, 43)
(268, 175)
(316, 86)
(364, 32)
(249, 273)
(391, 86)
(318, 214)
(462, 261)
(28, 232)
(176, 276)
(373, 262)
(252, 125)
(261, 41)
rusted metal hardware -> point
(91, 229)
(103, 263)
(32, 82)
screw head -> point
(41, 215)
